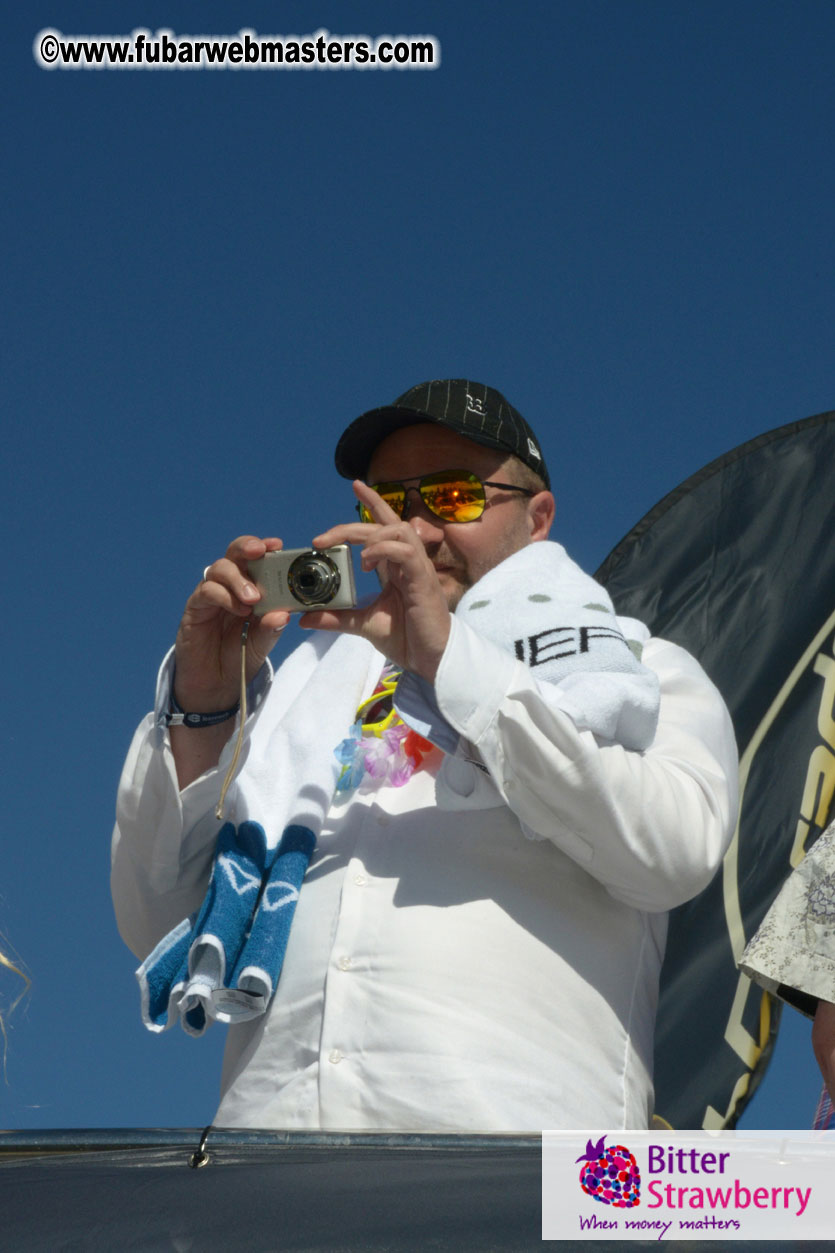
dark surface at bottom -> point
(329, 1194)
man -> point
(476, 945)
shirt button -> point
(383, 819)
(334, 1056)
(360, 880)
(344, 963)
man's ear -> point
(541, 510)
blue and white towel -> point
(277, 805)
(225, 961)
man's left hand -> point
(409, 622)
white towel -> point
(539, 605)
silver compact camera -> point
(299, 579)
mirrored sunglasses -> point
(452, 495)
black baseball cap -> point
(473, 410)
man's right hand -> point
(208, 648)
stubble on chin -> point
(453, 597)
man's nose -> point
(427, 525)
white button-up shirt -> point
(444, 971)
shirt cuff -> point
(255, 693)
(473, 679)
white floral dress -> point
(792, 955)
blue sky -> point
(617, 213)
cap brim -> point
(358, 442)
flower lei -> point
(379, 743)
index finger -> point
(359, 532)
(346, 533)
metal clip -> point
(201, 1157)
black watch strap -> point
(177, 717)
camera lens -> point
(313, 579)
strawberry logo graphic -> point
(610, 1175)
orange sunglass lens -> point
(459, 499)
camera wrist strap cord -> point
(233, 765)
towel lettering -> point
(558, 642)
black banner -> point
(738, 566)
